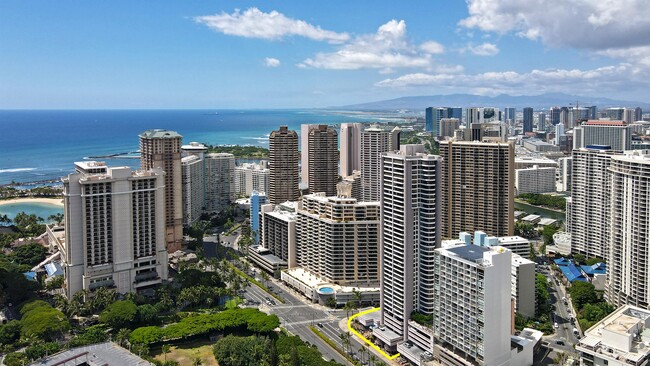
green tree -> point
(579, 258)
(40, 320)
(547, 234)
(119, 314)
(242, 351)
(525, 230)
(10, 332)
(16, 359)
(532, 254)
(30, 254)
(595, 260)
(165, 350)
(122, 336)
(542, 297)
(582, 293)
(147, 314)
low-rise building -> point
(535, 180)
(620, 339)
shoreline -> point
(49, 201)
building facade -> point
(350, 147)
(338, 239)
(162, 149)
(193, 188)
(534, 180)
(283, 166)
(589, 204)
(251, 177)
(374, 142)
(220, 181)
(257, 200)
(320, 158)
(478, 188)
(628, 256)
(410, 233)
(528, 119)
(114, 228)
(615, 134)
(278, 230)
(448, 126)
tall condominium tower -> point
(481, 115)
(114, 228)
(628, 260)
(528, 119)
(448, 126)
(410, 233)
(433, 116)
(616, 114)
(338, 238)
(375, 142)
(509, 115)
(251, 177)
(589, 210)
(320, 158)
(220, 181)
(615, 134)
(541, 121)
(478, 187)
(554, 115)
(162, 149)
(472, 312)
(350, 148)
(193, 189)
(283, 166)
(638, 114)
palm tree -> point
(165, 350)
(357, 297)
(122, 336)
(197, 361)
(345, 340)
(265, 278)
(349, 306)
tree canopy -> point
(119, 314)
(42, 321)
(30, 254)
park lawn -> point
(185, 353)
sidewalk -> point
(343, 325)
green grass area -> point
(185, 353)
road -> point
(562, 315)
(296, 316)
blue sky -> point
(275, 54)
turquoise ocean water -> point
(37, 145)
(43, 210)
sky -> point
(309, 54)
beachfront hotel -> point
(161, 149)
(114, 228)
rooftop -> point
(160, 134)
(469, 252)
(108, 354)
(604, 123)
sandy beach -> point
(51, 201)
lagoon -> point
(39, 209)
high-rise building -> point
(283, 166)
(448, 126)
(615, 134)
(251, 177)
(374, 142)
(564, 116)
(472, 304)
(554, 115)
(278, 230)
(338, 238)
(559, 133)
(528, 119)
(193, 190)
(509, 115)
(541, 121)
(320, 158)
(114, 228)
(478, 187)
(589, 209)
(481, 115)
(638, 114)
(257, 200)
(615, 114)
(435, 114)
(535, 180)
(220, 181)
(410, 232)
(628, 115)
(565, 172)
(628, 255)
(162, 149)
(593, 110)
(350, 142)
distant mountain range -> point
(538, 102)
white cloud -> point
(596, 24)
(432, 47)
(387, 49)
(271, 62)
(485, 49)
(254, 23)
(623, 75)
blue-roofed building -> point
(573, 273)
(53, 269)
(598, 268)
(562, 261)
(30, 275)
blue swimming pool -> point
(326, 290)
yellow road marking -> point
(364, 338)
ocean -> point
(43, 210)
(39, 145)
